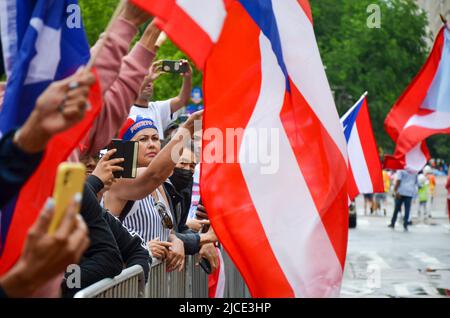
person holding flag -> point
(43, 50)
(61, 106)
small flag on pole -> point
(364, 165)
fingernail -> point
(49, 204)
(77, 197)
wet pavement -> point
(382, 262)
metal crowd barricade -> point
(177, 284)
(235, 286)
(190, 283)
(196, 280)
(157, 286)
(129, 284)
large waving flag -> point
(364, 165)
(286, 229)
(194, 25)
(423, 109)
(41, 44)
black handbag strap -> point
(126, 209)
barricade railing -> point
(157, 286)
(128, 284)
(192, 282)
(196, 280)
(235, 286)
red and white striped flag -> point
(217, 279)
(284, 225)
(423, 110)
(364, 165)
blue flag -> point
(42, 42)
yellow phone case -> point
(69, 181)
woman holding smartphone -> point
(141, 202)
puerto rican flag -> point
(39, 46)
(286, 228)
(423, 110)
(364, 165)
(217, 279)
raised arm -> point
(117, 44)
(183, 97)
(123, 92)
(159, 169)
(58, 108)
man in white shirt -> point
(161, 112)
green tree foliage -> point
(382, 61)
(439, 146)
(96, 15)
(168, 85)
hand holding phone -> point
(176, 67)
(106, 167)
(69, 182)
(128, 150)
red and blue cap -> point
(133, 125)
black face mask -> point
(181, 178)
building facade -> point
(433, 9)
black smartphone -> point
(206, 265)
(176, 67)
(129, 151)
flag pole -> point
(116, 13)
(362, 97)
(444, 20)
(354, 105)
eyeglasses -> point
(165, 217)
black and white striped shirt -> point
(145, 220)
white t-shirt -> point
(159, 112)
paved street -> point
(382, 262)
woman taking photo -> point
(141, 203)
